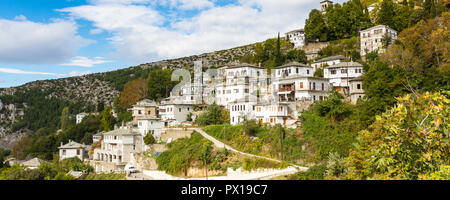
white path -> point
(221, 145)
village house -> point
(242, 110)
(175, 114)
(238, 82)
(144, 109)
(356, 90)
(272, 113)
(341, 73)
(296, 82)
(301, 88)
(33, 163)
(297, 37)
(117, 147)
(152, 126)
(72, 150)
(293, 69)
(328, 61)
(80, 117)
(324, 5)
(372, 38)
(97, 137)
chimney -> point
(61, 143)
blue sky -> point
(48, 39)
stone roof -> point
(297, 30)
(293, 64)
(359, 78)
(345, 64)
(72, 145)
(339, 57)
(120, 131)
(146, 103)
(35, 162)
(244, 65)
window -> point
(188, 109)
(149, 112)
(179, 109)
(301, 84)
(358, 86)
(323, 86)
(296, 70)
(78, 152)
(333, 71)
(139, 112)
(307, 71)
(314, 86)
(343, 71)
(64, 152)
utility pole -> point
(224, 146)
(281, 141)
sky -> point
(49, 39)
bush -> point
(149, 139)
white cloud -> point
(141, 33)
(78, 73)
(85, 62)
(27, 42)
(18, 71)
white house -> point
(371, 38)
(301, 88)
(240, 81)
(294, 69)
(175, 114)
(33, 163)
(356, 90)
(274, 113)
(73, 149)
(242, 110)
(152, 126)
(117, 147)
(80, 117)
(144, 109)
(97, 137)
(341, 73)
(324, 5)
(297, 37)
(328, 61)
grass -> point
(266, 143)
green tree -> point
(318, 72)
(107, 119)
(296, 55)
(65, 119)
(149, 139)
(213, 115)
(410, 141)
(386, 13)
(160, 84)
(315, 27)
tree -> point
(318, 72)
(213, 115)
(410, 141)
(149, 139)
(65, 119)
(315, 27)
(107, 119)
(206, 157)
(160, 84)
(386, 13)
(278, 58)
(133, 92)
(296, 55)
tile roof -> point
(72, 145)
